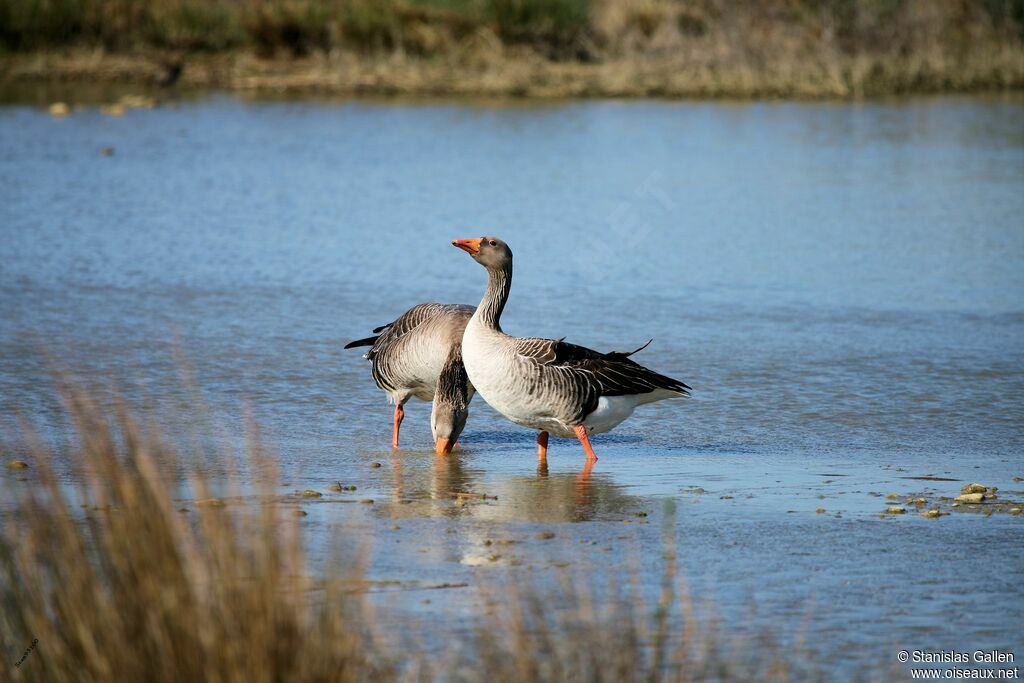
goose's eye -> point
(492, 243)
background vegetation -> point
(568, 47)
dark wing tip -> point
(378, 330)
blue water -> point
(842, 285)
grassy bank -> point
(121, 579)
(743, 48)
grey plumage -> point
(549, 384)
(420, 354)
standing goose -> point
(420, 354)
(547, 384)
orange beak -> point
(444, 446)
(471, 247)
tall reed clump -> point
(115, 584)
(111, 580)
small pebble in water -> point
(820, 511)
(895, 510)
(299, 513)
(210, 503)
(1015, 511)
(973, 488)
(546, 535)
(1018, 478)
(931, 514)
(893, 496)
(375, 464)
(116, 109)
(107, 151)
(310, 493)
(367, 501)
(59, 109)
(17, 465)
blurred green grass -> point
(630, 47)
(559, 28)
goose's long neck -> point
(499, 282)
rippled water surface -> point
(842, 285)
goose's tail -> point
(369, 341)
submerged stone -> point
(895, 510)
(17, 465)
(310, 493)
(970, 498)
(973, 488)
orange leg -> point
(581, 434)
(399, 416)
(542, 454)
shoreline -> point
(521, 75)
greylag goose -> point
(420, 354)
(548, 384)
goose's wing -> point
(609, 374)
(406, 323)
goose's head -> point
(447, 420)
(490, 252)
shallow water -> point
(840, 283)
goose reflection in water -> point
(425, 484)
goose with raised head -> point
(547, 384)
(419, 355)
